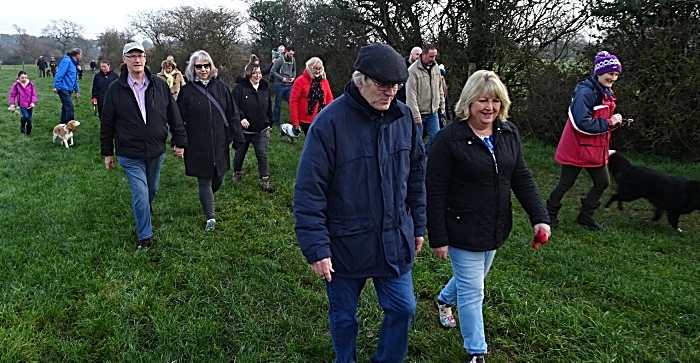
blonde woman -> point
(172, 77)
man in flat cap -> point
(359, 202)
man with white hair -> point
(373, 226)
(138, 108)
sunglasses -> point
(205, 65)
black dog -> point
(669, 194)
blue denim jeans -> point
(282, 92)
(432, 126)
(27, 115)
(466, 288)
(396, 298)
(67, 109)
(144, 177)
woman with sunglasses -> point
(208, 111)
(311, 92)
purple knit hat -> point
(606, 62)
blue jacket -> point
(359, 196)
(66, 78)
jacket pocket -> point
(353, 245)
(469, 227)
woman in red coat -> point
(311, 92)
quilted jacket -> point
(469, 204)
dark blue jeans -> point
(396, 298)
(27, 115)
(67, 110)
(282, 92)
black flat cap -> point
(381, 63)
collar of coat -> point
(125, 73)
(360, 102)
(463, 131)
(245, 82)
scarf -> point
(169, 78)
(316, 95)
(204, 82)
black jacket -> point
(207, 153)
(469, 204)
(254, 105)
(41, 63)
(122, 124)
(100, 84)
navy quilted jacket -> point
(469, 204)
(359, 196)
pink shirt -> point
(139, 93)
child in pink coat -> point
(23, 94)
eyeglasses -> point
(205, 65)
(385, 86)
(317, 68)
(135, 56)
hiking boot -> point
(21, 126)
(447, 320)
(211, 225)
(265, 184)
(237, 176)
(476, 358)
(553, 211)
(585, 216)
(143, 244)
(29, 130)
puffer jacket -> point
(22, 96)
(424, 89)
(207, 153)
(299, 99)
(122, 126)
(469, 204)
(585, 141)
(253, 105)
(359, 196)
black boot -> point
(29, 130)
(585, 217)
(553, 211)
(21, 126)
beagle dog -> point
(65, 132)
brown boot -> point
(237, 176)
(265, 184)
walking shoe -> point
(211, 225)
(265, 184)
(476, 358)
(237, 176)
(447, 320)
(143, 244)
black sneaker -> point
(143, 244)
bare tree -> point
(64, 33)
(111, 43)
(28, 45)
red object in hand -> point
(539, 239)
(94, 100)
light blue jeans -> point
(396, 298)
(432, 126)
(144, 177)
(466, 288)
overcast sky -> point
(34, 15)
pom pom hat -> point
(381, 63)
(606, 62)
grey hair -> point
(202, 56)
(75, 51)
(358, 77)
(310, 63)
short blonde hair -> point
(311, 62)
(202, 56)
(480, 84)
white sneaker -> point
(211, 225)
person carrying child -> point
(23, 94)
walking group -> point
(367, 186)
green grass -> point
(73, 288)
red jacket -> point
(585, 141)
(299, 99)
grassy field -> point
(74, 289)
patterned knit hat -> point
(606, 62)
